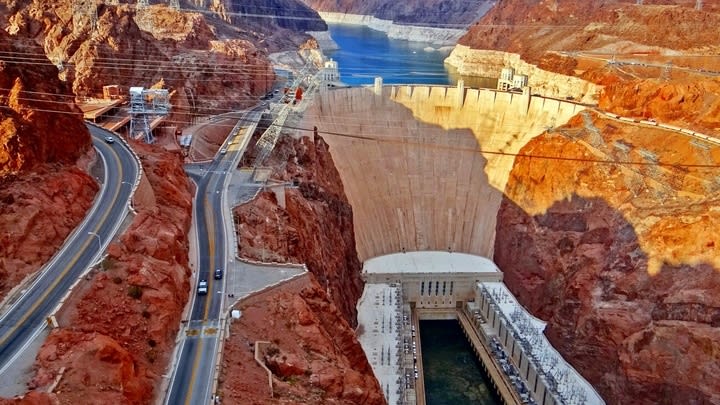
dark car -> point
(218, 274)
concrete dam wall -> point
(414, 161)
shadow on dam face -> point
(412, 165)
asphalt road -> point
(193, 372)
(27, 316)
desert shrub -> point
(135, 291)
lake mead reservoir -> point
(365, 53)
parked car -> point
(202, 288)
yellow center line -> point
(72, 263)
(196, 364)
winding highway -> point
(27, 316)
(194, 370)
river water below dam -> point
(453, 374)
(365, 53)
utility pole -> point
(82, 10)
(175, 4)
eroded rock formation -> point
(430, 12)
(314, 228)
(43, 194)
(39, 122)
(156, 46)
(314, 355)
(117, 330)
(621, 260)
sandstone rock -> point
(631, 296)
(316, 226)
(326, 366)
(116, 344)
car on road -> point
(202, 288)
(109, 139)
(223, 151)
(218, 274)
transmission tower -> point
(175, 4)
(146, 104)
(667, 69)
(85, 10)
(698, 4)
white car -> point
(109, 139)
(223, 151)
(202, 288)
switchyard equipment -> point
(146, 104)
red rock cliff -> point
(314, 355)
(316, 227)
(621, 260)
(39, 122)
(43, 195)
(118, 330)
(158, 45)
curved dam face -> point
(415, 165)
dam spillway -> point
(412, 163)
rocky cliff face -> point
(313, 355)
(39, 123)
(43, 195)
(316, 226)
(454, 14)
(531, 28)
(619, 259)
(691, 104)
(117, 330)
(156, 46)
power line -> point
(404, 141)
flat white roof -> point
(430, 262)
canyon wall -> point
(118, 328)
(39, 122)
(620, 259)
(313, 226)
(44, 149)
(433, 35)
(415, 12)
(410, 163)
(313, 353)
(204, 71)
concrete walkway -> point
(245, 278)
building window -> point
(451, 288)
(422, 288)
(437, 287)
(444, 282)
(429, 287)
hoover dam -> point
(425, 167)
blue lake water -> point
(453, 374)
(365, 54)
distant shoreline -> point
(441, 37)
